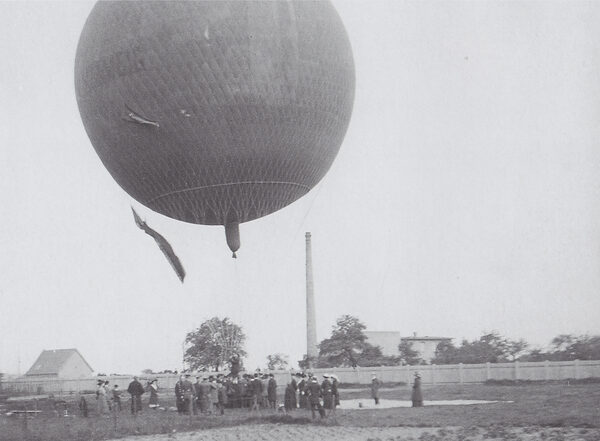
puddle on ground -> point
(387, 404)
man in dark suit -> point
(314, 397)
(136, 390)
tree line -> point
(349, 346)
(213, 344)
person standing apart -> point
(375, 386)
(417, 395)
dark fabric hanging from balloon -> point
(164, 246)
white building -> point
(425, 345)
(388, 341)
(60, 363)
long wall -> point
(430, 374)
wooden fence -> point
(430, 374)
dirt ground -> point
(278, 432)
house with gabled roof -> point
(60, 363)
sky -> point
(464, 198)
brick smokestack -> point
(311, 323)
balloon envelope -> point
(215, 112)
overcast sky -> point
(465, 197)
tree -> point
(277, 361)
(147, 371)
(304, 363)
(534, 355)
(587, 348)
(446, 353)
(572, 347)
(516, 348)
(346, 343)
(489, 348)
(211, 346)
(408, 355)
(373, 356)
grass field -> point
(552, 411)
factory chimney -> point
(311, 324)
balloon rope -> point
(310, 206)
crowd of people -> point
(308, 393)
(212, 394)
(110, 398)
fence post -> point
(516, 370)
(460, 373)
(488, 373)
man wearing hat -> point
(417, 395)
(184, 393)
(375, 386)
(314, 397)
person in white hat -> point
(375, 386)
(327, 391)
(335, 381)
